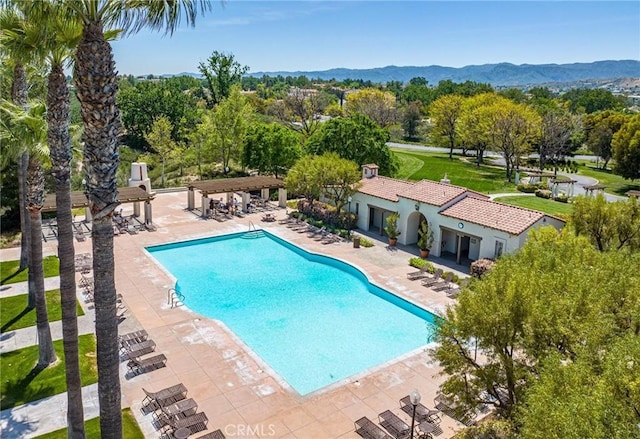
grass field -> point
(130, 428)
(9, 270)
(14, 313)
(550, 207)
(615, 184)
(22, 383)
(434, 166)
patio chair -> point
(433, 280)
(138, 366)
(162, 398)
(443, 284)
(423, 413)
(331, 238)
(394, 424)
(133, 337)
(195, 423)
(213, 435)
(420, 274)
(367, 429)
(138, 349)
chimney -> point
(445, 180)
(370, 171)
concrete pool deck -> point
(229, 383)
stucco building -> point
(465, 223)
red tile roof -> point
(498, 216)
(431, 192)
(383, 187)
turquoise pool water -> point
(315, 320)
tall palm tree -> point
(17, 45)
(29, 127)
(96, 85)
(59, 38)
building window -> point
(499, 249)
(357, 208)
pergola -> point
(594, 187)
(125, 195)
(633, 193)
(558, 181)
(231, 185)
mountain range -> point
(502, 74)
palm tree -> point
(96, 85)
(29, 128)
(59, 38)
(17, 44)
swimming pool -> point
(313, 319)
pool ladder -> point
(253, 232)
(174, 298)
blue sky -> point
(320, 35)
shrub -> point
(543, 193)
(527, 188)
(419, 263)
(365, 242)
(562, 198)
(481, 267)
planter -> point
(393, 242)
(424, 254)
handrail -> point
(174, 297)
(255, 229)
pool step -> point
(253, 234)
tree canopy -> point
(221, 72)
(271, 148)
(535, 336)
(355, 138)
(626, 149)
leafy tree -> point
(418, 90)
(599, 130)
(305, 178)
(225, 129)
(373, 103)
(609, 226)
(557, 128)
(271, 148)
(356, 138)
(474, 123)
(160, 140)
(510, 333)
(145, 102)
(411, 118)
(513, 94)
(339, 178)
(221, 72)
(299, 110)
(445, 113)
(584, 100)
(626, 149)
(512, 129)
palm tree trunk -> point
(35, 200)
(19, 97)
(60, 152)
(96, 85)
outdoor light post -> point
(415, 400)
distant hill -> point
(503, 74)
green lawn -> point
(540, 204)
(130, 428)
(9, 270)
(14, 313)
(22, 383)
(433, 166)
(615, 184)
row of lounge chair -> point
(320, 234)
(436, 282)
(133, 348)
(173, 411)
(393, 426)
